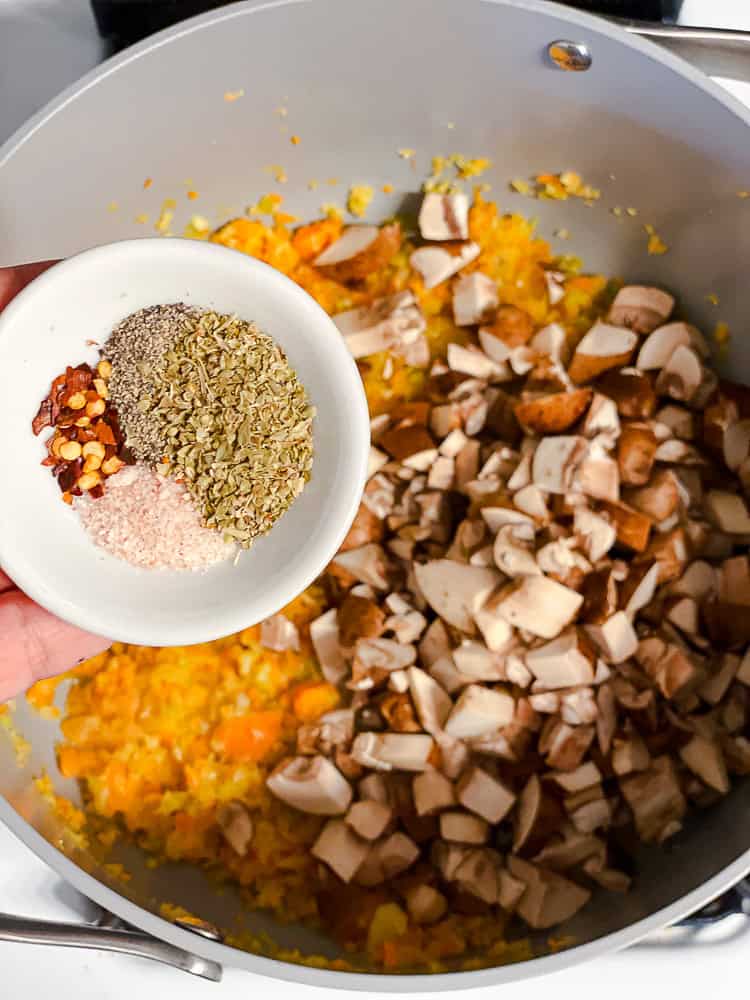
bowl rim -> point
(328, 536)
(283, 970)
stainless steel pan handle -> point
(717, 51)
(107, 933)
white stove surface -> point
(62, 35)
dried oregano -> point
(232, 419)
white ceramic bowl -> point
(43, 546)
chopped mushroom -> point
(484, 795)
(540, 605)
(656, 799)
(432, 793)
(392, 324)
(596, 533)
(463, 827)
(549, 898)
(478, 873)
(360, 250)
(704, 758)
(555, 461)
(616, 638)
(555, 413)
(478, 711)
(340, 848)
(564, 662)
(437, 263)
(367, 564)
(455, 591)
(433, 705)
(369, 818)
(387, 858)
(236, 826)
(392, 751)
(425, 904)
(474, 299)
(603, 347)
(641, 308)
(636, 450)
(661, 344)
(682, 375)
(279, 633)
(444, 216)
(312, 785)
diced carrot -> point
(248, 737)
(314, 699)
(311, 240)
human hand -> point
(33, 643)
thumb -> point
(36, 644)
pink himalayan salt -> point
(150, 521)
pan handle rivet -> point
(573, 57)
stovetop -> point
(44, 46)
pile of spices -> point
(136, 346)
(225, 412)
(87, 445)
(150, 521)
(208, 427)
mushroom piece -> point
(682, 612)
(659, 499)
(437, 263)
(540, 605)
(455, 590)
(682, 375)
(369, 818)
(598, 475)
(636, 449)
(567, 745)
(704, 758)
(561, 663)
(359, 618)
(432, 792)
(444, 216)
(656, 799)
(374, 787)
(633, 528)
(477, 662)
(493, 346)
(553, 413)
(736, 444)
(603, 347)
(387, 858)
(578, 708)
(643, 589)
(279, 633)
(478, 873)
(359, 251)
(368, 564)
(615, 638)
(602, 419)
(382, 654)
(425, 904)
(661, 344)
(641, 308)
(442, 471)
(532, 501)
(629, 754)
(496, 632)
(312, 785)
(728, 511)
(471, 361)
(394, 323)
(392, 751)
(324, 634)
(475, 299)
(596, 533)
(484, 795)
(585, 776)
(555, 461)
(236, 826)
(463, 827)
(377, 459)
(549, 898)
(512, 559)
(405, 440)
(501, 517)
(434, 644)
(478, 711)
(433, 705)
(340, 848)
